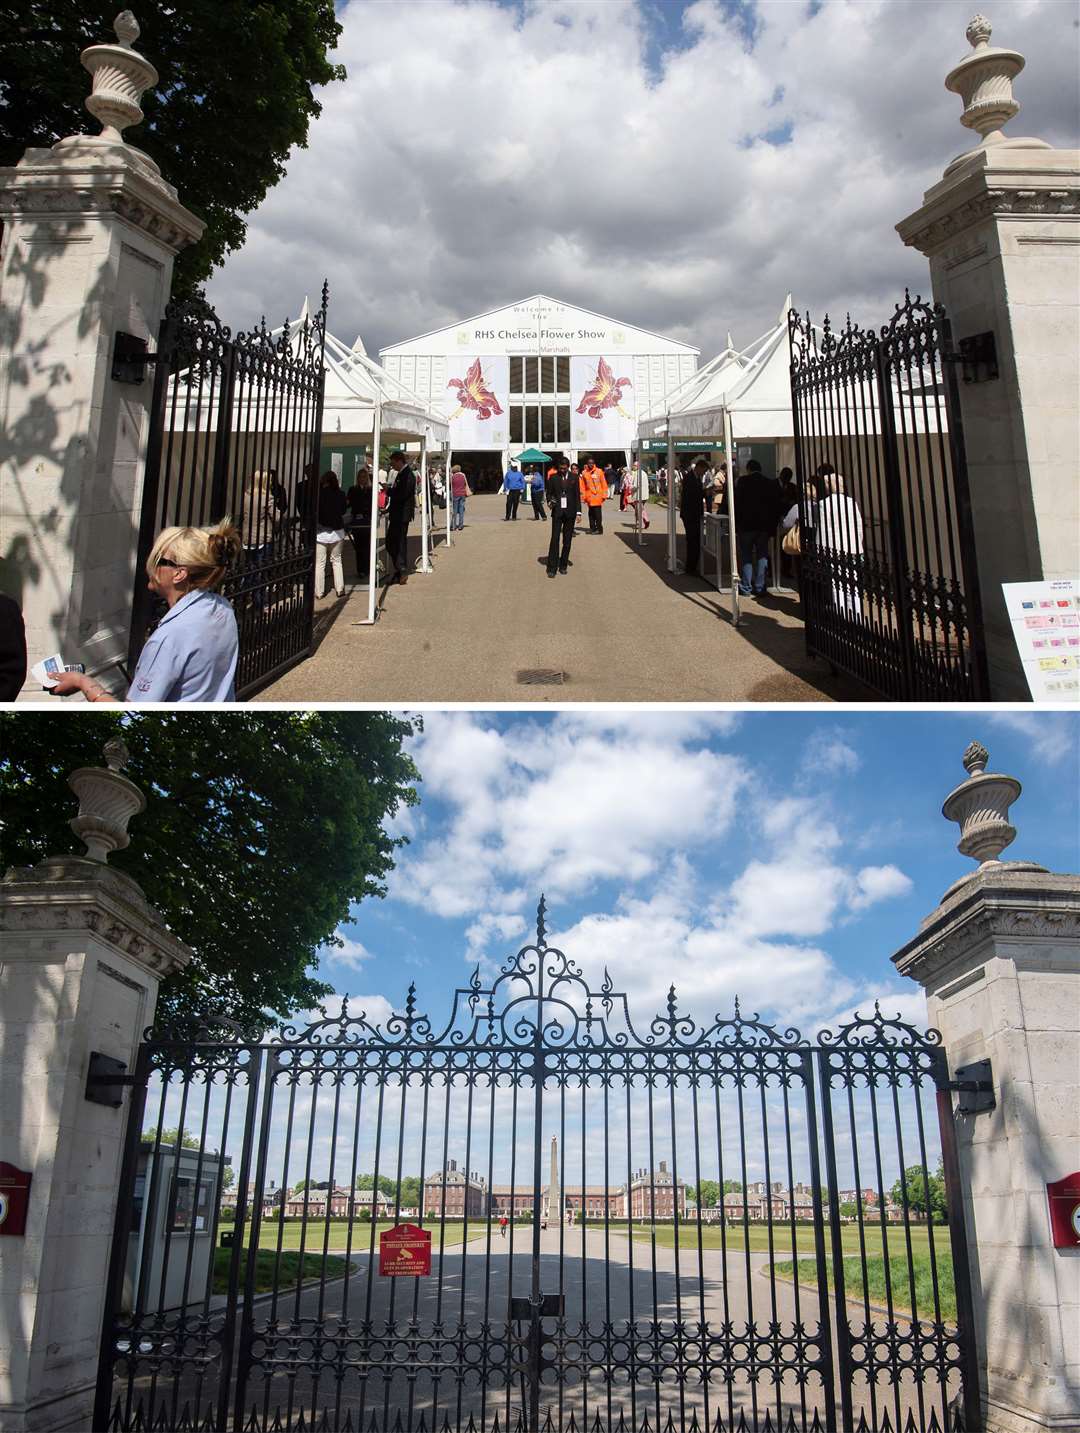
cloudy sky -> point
(778, 857)
(681, 166)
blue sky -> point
(779, 856)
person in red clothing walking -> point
(594, 490)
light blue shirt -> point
(191, 657)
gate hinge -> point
(977, 357)
(975, 1086)
(130, 358)
(105, 1079)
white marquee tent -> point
(737, 396)
(362, 400)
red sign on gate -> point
(14, 1198)
(405, 1250)
(1064, 1197)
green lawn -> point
(287, 1269)
(901, 1283)
(361, 1234)
(804, 1238)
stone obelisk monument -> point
(554, 1209)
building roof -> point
(754, 386)
(538, 299)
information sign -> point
(683, 445)
(1045, 619)
(404, 1250)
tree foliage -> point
(919, 1182)
(261, 830)
(410, 1188)
(235, 94)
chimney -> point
(452, 1165)
(663, 1166)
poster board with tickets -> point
(1045, 619)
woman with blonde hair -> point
(191, 654)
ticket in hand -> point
(47, 670)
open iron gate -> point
(235, 431)
(887, 573)
(807, 1297)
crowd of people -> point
(191, 655)
(766, 509)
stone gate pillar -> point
(999, 960)
(1002, 233)
(91, 230)
(81, 957)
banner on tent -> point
(602, 399)
(481, 397)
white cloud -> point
(350, 953)
(830, 754)
(488, 928)
(877, 883)
(1052, 736)
(652, 195)
(558, 806)
(785, 897)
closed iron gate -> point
(674, 1227)
(888, 579)
(235, 431)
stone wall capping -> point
(994, 183)
(1014, 900)
(74, 894)
(90, 181)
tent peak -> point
(785, 311)
(358, 346)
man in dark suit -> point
(564, 502)
(400, 511)
(692, 511)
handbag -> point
(792, 543)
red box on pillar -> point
(14, 1198)
(1064, 1197)
(404, 1250)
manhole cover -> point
(541, 677)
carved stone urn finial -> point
(120, 75)
(980, 806)
(984, 81)
(107, 802)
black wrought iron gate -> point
(887, 573)
(235, 429)
(683, 1227)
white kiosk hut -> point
(738, 401)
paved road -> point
(618, 624)
(405, 1366)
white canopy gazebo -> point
(361, 403)
(737, 396)
(361, 400)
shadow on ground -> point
(758, 625)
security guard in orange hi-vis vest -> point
(594, 490)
